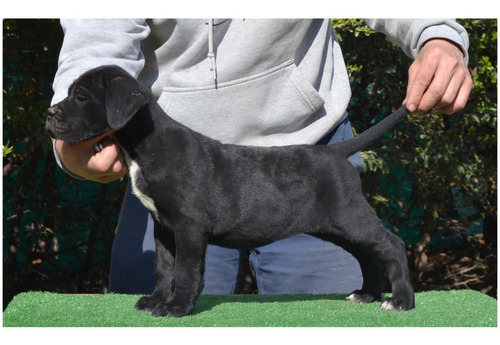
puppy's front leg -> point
(164, 269)
(189, 269)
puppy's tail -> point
(368, 137)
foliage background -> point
(432, 180)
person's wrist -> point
(444, 42)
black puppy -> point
(200, 191)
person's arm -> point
(88, 44)
(438, 78)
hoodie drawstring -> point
(211, 54)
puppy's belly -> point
(244, 242)
(257, 234)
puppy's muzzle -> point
(51, 114)
(53, 111)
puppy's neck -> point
(152, 132)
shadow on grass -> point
(207, 302)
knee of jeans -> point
(357, 161)
(304, 264)
(222, 268)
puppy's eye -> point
(80, 96)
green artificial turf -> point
(461, 308)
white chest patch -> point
(134, 172)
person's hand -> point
(438, 78)
(85, 160)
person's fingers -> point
(457, 94)
(419, 81)
(438, 79)
(99, 159)
(109, 160)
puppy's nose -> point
(53, 111)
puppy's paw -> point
(360, 296)
(397, 304)
(146, 303)
(171, 310)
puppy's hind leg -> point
(390, 250)
(371, 269)
(396, 264)
(363, 229)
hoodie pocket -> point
(250, 111)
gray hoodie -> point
(244, 81)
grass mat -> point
(459, 308)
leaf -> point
(7, 150)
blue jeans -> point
(300, 264)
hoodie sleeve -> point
(411, 34)
(90, 43)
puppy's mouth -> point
(55, 129)
(61, 130)
(53, 126)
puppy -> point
(201, 191)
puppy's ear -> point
(124, 97)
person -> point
(250, 82)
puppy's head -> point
(99, 101)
